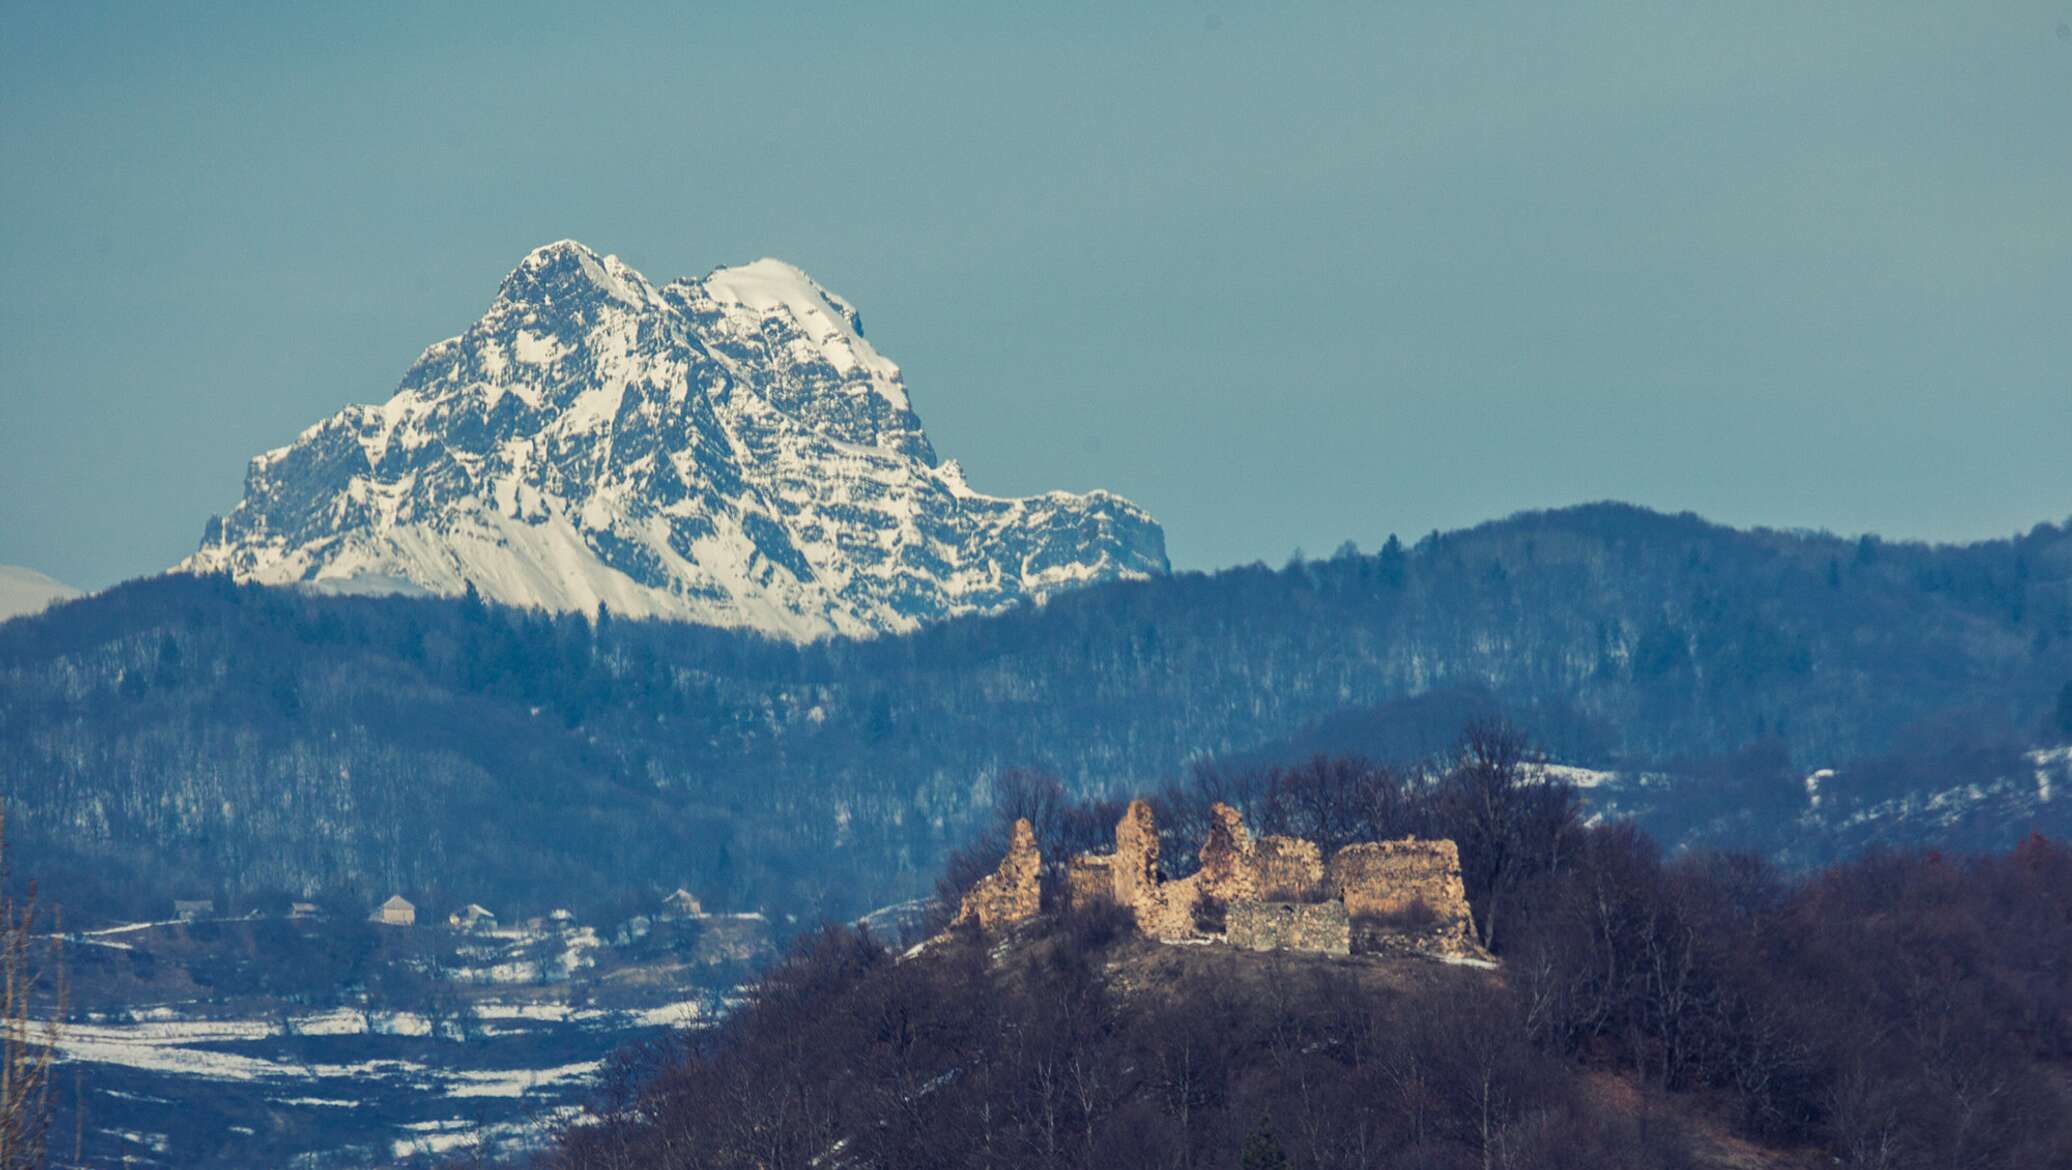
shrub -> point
(1094, 924)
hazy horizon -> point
(1282, 279)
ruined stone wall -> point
(1289, 869)
(1382, 880)
(1317, 927)
(1190, 907)
(1167, 912)
(1014, 892)
(1135, 863)
(1229, 860)
(1274, 892)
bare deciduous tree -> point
(32, 1009)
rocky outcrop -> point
(1012, 893)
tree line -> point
(192, 737)
(1902, 1009)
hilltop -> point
(1906, 1010)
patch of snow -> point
(536, 349)
(155, 1142)
(1579, 777)
(1468, 961)
(2050, 762)
(1813, 783)
(119, 1095)
(518, 1082)
(684, 1014)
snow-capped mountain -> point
(727, 450)
(26, 591)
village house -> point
(471, 917)
(397, 911)
(302, 909)
(681, 904)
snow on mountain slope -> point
(26, 591)
(728, 450)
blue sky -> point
(1286, 275)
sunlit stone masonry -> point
(1265, 893)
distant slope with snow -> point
(26, 591)
(729, 450)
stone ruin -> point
(1404, 895)
(1012, 893)
(1265, 893)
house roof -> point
(398, 902)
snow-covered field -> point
(163, 1088)
(257, 1081)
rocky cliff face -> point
(727, 450)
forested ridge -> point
(1906, 1009)
(187, 736)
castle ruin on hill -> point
(1264, 893)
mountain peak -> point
(768, 285)
(568, 268)
(26, 591)
(557, 251)
(728, 450)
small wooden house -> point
(302, 909)
(471, 917)
(397, 911)
(681, 904)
